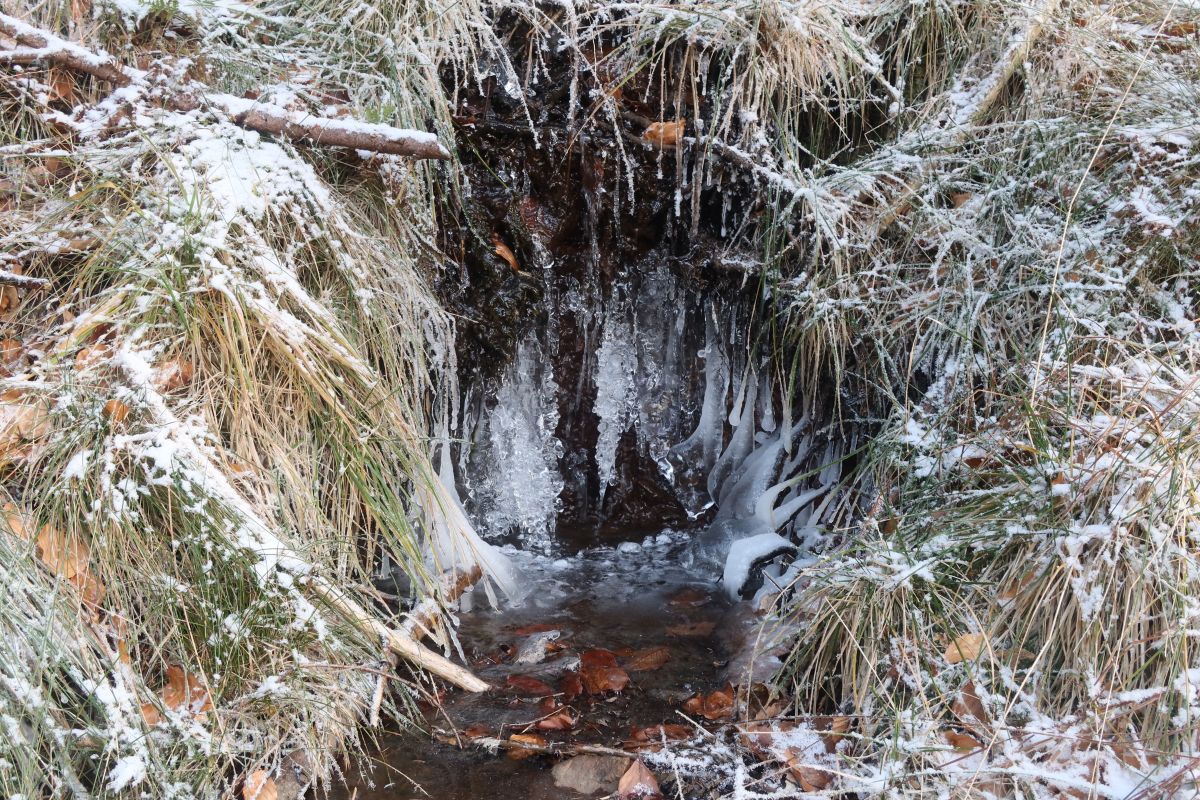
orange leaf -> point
(665, 134)
(505, 252)
(715, 705)
(966, 647)
(962, 741)
(559, 721)
(571, 685)
(259, 786)
(185, 691)
(638, 783)
(519, 753)
(66, 557)
(10, 349)
(116, 410)
(16, 520)
(175, 373)
(597, 658)
(652, 738)
(600, 679)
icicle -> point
(616, 364)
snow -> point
(128, 771)
(742, 555)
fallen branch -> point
(422, 618)
(551, 748)
(262, 117)
(21, 281)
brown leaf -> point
(16, 520)
(62, 86)
(688, 629)
(966, 647)
(477, 731)
(10, 301)
(525, 685)
(185, 691)
(561, 720)
(652, 738)
(597, 658)
(116, 411)
(962, 741)
(259, 785)
(638, 783)
(960, 199)
(506, 253)
(648, 659)
(520, 753)
(599, 680)
(571, 685)
(689, 597)
(92, 355)
(714, 705)
(10, 350)
(65, 556)
(174, 374)
(665, 134)
(969, 708)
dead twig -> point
(264, 118)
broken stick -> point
(262, 117)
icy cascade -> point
(616, 393)
(516, 452)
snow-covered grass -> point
(217, 406)
(978, 226)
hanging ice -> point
(616, 365)
(519, 453)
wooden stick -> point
(261, 117)
(552, 748)
(8, 278)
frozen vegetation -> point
(960, 423)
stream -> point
(666, 628)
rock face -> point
(584, 364)
(589, 774)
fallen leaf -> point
(520, 753)
(648, 659)
(687, 629)
(174, 374)
(689, 597)
(713, 706)
(960, 199)
(962, 741)
(259, 785)
(525, 685)
(185, 691)
(10, 301)
(506, 253)
(638, 783)
(65, 556)
(17, 521)
(665, 134)
(969, 708)
(570, 685)
(477, 731)
(597, 658)
(652, 738)
(559, 721)
(116, 410)
(965, 648)
(10, 350)
(92, 355)
(600, 680)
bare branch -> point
(264, 118)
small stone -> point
(629, 547)
(589, 774)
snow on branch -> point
(42, 45)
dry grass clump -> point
(217, 392)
